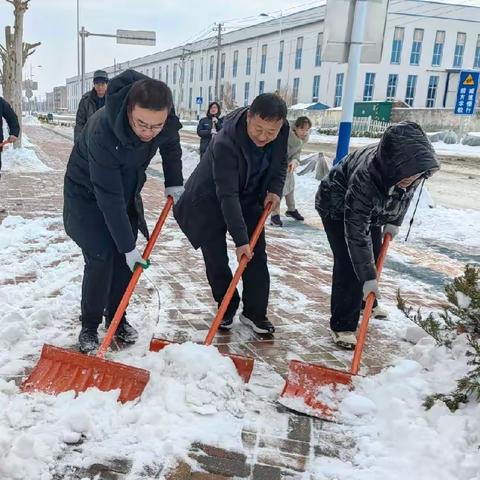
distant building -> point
(49, 101)
(426, 44)
(60, 99)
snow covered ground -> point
(195, 394)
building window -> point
(210, 97)
(432, 91)
(201, 69)
(263, 62)
(246, 95)
(459, 49)
(175, 66)
(392, 87)
(159, 73)
(222, 91)
(153, 72)
(222, 66)
(148, 72)
(338, 90)
(190, 95)
(210, 71)
(166, 74)
(279, 85)
(192, 68)
(318, 51)
(235, 64)
(201, 92)
(234, 92)
(316, 88)
(410, 92)
(296, 86)
(248, 65)
(476, 61)
(280, 56)
(368, 87)
(416, 46)
(397, 45)
(298, 53)
(261, 87)
(438, 48)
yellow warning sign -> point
(469, 80)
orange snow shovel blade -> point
(244, 365)
(314, 389)
(60, 370)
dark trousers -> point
(347, 294)
(256, 279)
(105, 280)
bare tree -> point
(14, 55)
(228, 101)
(286, 94)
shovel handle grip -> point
(236, 278)
(122, 306)
(367, 311)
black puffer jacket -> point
(217, 188)
(361, 189)
(106, 172)
(7, 113)
(86, 108)
(204, 131)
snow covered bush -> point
(461, 316)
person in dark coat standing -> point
(243, 169)
(91, 101)
(364, 197)
(103, 209)
(209, 126)
(7, 113)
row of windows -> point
(437, 54)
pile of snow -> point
(21, 160)
(30, 120)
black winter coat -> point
(6, 112)
(106, 172)
(204, 131)
(86, 108)
(361, 190)
(214, 193)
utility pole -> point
(219, 47)
(83, 33)
(184, 55)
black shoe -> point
(227, 322)
(295, 214)
(125, 332)
(259, 325)
(88, 339)
(275, 221)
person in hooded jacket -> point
(243, 170)
(364, 197)
(91, 102)
(209, 126)
(103, 209)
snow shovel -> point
(244, 365)
(312, 389)
(60, 370)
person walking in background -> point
(365, 196)
(242, 171)
(297, 138)
(209, 126)
(103, 209)
(91, 102)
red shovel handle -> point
(367, 311)
(133, 281)
(236, 278)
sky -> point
(53, 22)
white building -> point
(426, 44)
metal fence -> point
(359, 124)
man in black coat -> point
(7, 113)
(242, 170)
(103, 209)
(91, 101)
(209, 126)
(369, 189)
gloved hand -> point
(174, 192)
(370, 286)
(133, 258)
(391, 229)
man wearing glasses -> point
(103, 209)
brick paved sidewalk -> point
(300, 264)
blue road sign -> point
(466, 93)
(199, 100)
